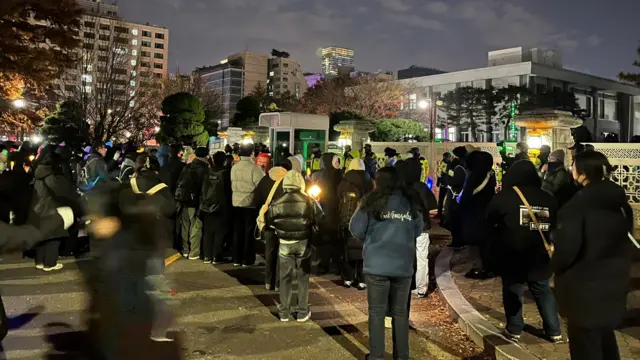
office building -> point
(285, 76)
(414, 71)
(97, 7)
(228, 80)
(255, 67)
(337, 61)
(611, 105)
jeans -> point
(47, 253)
(513, 298)
(271, 246)
(592, 344)
(422, 255)
(294, 258)
(215, 229)
(191, 227)
(388, 293)
(244, 247)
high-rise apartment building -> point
(228, 80)
(115, 53)
(255, 68)
(337, 60)
(285, 76)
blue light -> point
(108, 144)
(429, 183)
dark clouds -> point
(594, 36)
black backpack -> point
(185, 191)
(212, 197)
(348, 205)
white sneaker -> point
(307, 317)
(185, 255)
(282, 319)
(39, 266)
(57, 267)
(348, 283)
(161, 339)
(194, 257)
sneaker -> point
(185, 255)
(39, 266)
(236, 264)
(305, 318)
(362, 286)
(556, 339)
(207, 261)
(421, 295)
(348, 283)
(284, 319)
(191, 257)
(57, 267)
(510, 336)
(267, 287)
(276, 289)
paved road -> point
(224, 313)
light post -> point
(435, 116)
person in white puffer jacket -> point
(245, 176)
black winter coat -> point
(293, 216)
(558, 182)
(328, 179)
(355, 181)
(53, 190)
(264, 188)
(196, 170)
(146, 180)
(170, 173)
(592, 258)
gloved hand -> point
(67, 216)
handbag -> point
(547, 245)
(263, 210)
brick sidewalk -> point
(486, 298)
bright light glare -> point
(439, 102)
(19, 103)
(246, 141)
(534, 142)
(36, 138)
(157, 128)
(423, 104)
(314, 191)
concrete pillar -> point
(595, 114)
(625, 116)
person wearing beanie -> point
(187, 195)
(556, 179)
(215, 209)
(293, 217)
(245, 177)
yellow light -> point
(31, 157)
(314, 191)
(534, 142)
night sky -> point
(595, 36)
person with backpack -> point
(215, 207)
(51, 190)
(188, 197)
(245, 177)
(293, 217)
(271, 241)
(388, 222)
(127, 168)
(354, 186)
(94, 169)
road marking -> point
(171, 259)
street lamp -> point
(19, 103)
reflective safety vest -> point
(316, 164)
(355, 154)
(425, 170)
(442, 170)
(373, 155)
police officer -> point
(316, 153)
(346, 158)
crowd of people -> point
(360, 216)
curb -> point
(171, 259)
(479, 329)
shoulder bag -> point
(263, 210)
(547, 245)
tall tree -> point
(66, 124)
(37, 38)
(508, 101)
(247, 112)
(118, 91)
(398, 130)
(451, 111)
(182, 121)
(633, 78)
(210, 99)
(261, 94)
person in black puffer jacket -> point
(188, 195)
(557, 180)
(354, 186)
(293, 217)
(51, 190)
(271, 242)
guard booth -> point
(295, 133)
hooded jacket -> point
(592, 259)
(96, 170)
(170, 173)
(195, 173)
(146, 180)
(389, 243)
(478, 190)
(296, 163)
(52, 190)
(519, 252)
(266, 184)
(328, 180)
(293, 214)
(126, 170)
(355, 180)
(245, 177)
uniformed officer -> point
(316, 153)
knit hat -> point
(356, 164)
(556, 156)
(202, 152)
(293, 180)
